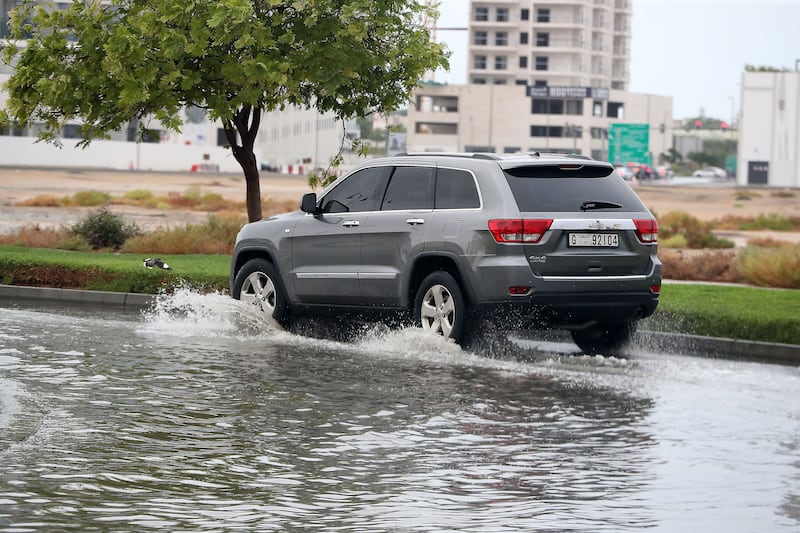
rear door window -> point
(455, 189)
(409, 188)
(551, 188)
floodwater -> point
(196, 416)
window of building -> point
(543, 39)
(512, 149)
(479, 81)
(500, 81)
(502, 14)
(539, 106)
(540, 83)
(543, 15)
(573, 132)
(574, 107)
(523, 61)
(541, 62)
(500, 63)
(556, 107)
(455, 189)
(615, 110)
(480, 38)
(501, 38)
(555, 131)
(479, 62)
(599, 133)
(597, 108)
(524, 14)
(523, 37)
(71, 131)
(481, 14)
(538, 131)
(521, 82)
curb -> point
(673, 343)
(123, 299)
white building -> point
(769, 130)
(294, 140)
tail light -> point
(646, 230)
(519, 230)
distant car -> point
(664, 172)
(710, 172)
(626, 172)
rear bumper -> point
(571, 309)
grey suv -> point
(457, 241)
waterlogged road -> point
(198, 417)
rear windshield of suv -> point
(550, 188)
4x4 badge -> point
(538, 259)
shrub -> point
(707, 265)
(771, 267)
(89, 198)
(772, 221)
(785, 193)
(138, 195)
(697, 234)
(104, 229)
(216, 236)
(41, 200)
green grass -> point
(21, 265)
(745, 313)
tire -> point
(259, 284)
(604, 339)
(439, 306)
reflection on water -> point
(200, 416)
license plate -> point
(600, 240)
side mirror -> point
(309, 203)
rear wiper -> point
(586, 206)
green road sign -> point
(629, 143)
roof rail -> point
(557, 154)
(475, 155)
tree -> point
(105, 64)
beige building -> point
(584, 43)
(549, 75)
(515, 118)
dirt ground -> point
(705, 201)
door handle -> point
(415, 221)
(351, 223)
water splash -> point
(189, 313)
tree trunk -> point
(252, 179)
(246, 123)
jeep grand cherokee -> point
(453, 240)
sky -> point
(692, 50)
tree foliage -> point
(105, 64)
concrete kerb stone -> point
(124, 299)
(675, 343)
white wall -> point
(24, 152)
(770, 126)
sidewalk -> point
(673, 343)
